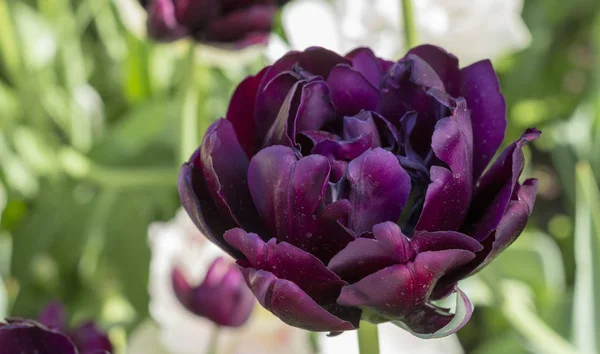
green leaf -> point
(519, 309)
(586, 304)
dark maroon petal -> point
(315, 109)
(288, 262)
(444, 64)
(345, 149)
(291, 304)
(53, 316)
(495, 188)
(195, 14)
(285, 63)
(365, 256)
(320, 61)
(162, 24)
(271, 96)
(401, 292)
(513, 221)
(361, 124)
(25, 336)
(351, 92)
(481, 89)
(288, 194)
(365, 62)
(236, 25)
(282, 132)
(379, 189)
(443, 240)
(241, 112)
(447, 198)
(510, 227)
(225, 165)
(284, 188)
(222, 297)
(198, 203)
(422, 74)
(89, 339)
(404, 89)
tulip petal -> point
(495, 188)
(365, 62)
(236, 25)
(443, 240)
(198, 203)
(288, 262)
(292, 305)
(282, 131)
(315, 109)
(320, 61)
(444, 64)
(481, 89)
(272, 92)
(401, 292)
(462, 314)
(365, 256)
(225, 165)
(447, 198)
(378, 189)
(26, 336)
(288, 194)
(360, 124)
(344, 149)
(241, 112)
(509, 228)
(351, 92)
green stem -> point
(368, 338)
(410, 29)
(213, 345)
(189, 110)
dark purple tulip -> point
(231, 23)
(222, 297)
(87, 337)
(354, 187)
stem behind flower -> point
(410, 29)
(368, 338)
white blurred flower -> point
(471, 30)
(177, 331)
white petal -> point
(311, 23)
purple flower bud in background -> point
(51, 335)
(354, 187)
(222, 297)
(231, 23)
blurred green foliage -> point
(92, 119)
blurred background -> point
(91, 140)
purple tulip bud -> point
(222, 297)
(354, 187)
(51, 336)
(230, 23)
